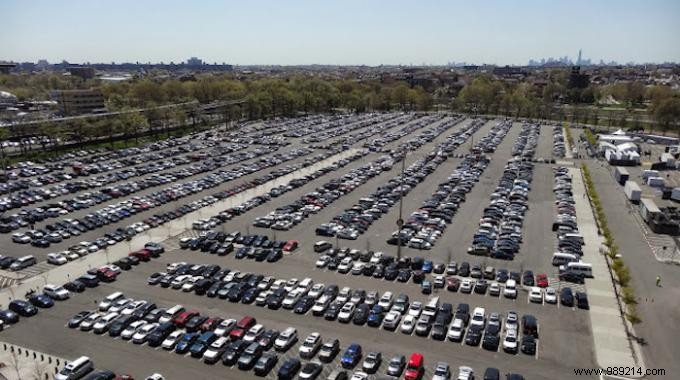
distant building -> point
(5, 68)
(508, 71)
(578, 79)
(82, 71)
(193, 61)
(78, 102)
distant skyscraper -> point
(578, 61)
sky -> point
(343, 32)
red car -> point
(184, 317)
(241, 327)
(106, 275)
(542, 280)
(142, 255)
(452, 284)
(290, 246)
(414, 367)
(210, 324)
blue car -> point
(375, 317)
(187, 341)
(427, 266)
(202, 344)
(289, 369)
(351, 356)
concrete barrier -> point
(27, 363)
(66, 272)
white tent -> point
(620, 132)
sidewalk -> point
(19, 363)
(62, 274)
(612, 345)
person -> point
(658, 280)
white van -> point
(561, 258)
(574, 236)
(22, 263)
(510, 290)
(431, 307)
(76, 369)
(585, 269)
(171, 313)
(109, 300)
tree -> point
(667, 115)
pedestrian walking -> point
(658, 281)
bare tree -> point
(39, 371)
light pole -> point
(400, 221)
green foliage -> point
(569, 137)
(592, 140)
(628, 295)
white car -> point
(344, 295)
(346, 313)
(310, 346)
(140, 336)
(215, 350)
(386, 300)
(465, 373)
(511, 320)
(155, 376)
(391, 320)
(172, 339)
(179, 281)
(494, 289)
(408, 323)
(132, 306)
(291, 299)
(254, 333)
(536, 294)
(456, 330)
(510, 341)
(359, 375)
(172, 268)
(286, 339)
(189, 285)
(56, 292)
(322, 261)
(465, 286)
(550, 296)
(478, 317)
(291, 284)
(119, 305)
(344, 265)
(415, 309)
(320, 305)
(104, 322)
(89, 322)
(510, 290)
(132, 329)
(56, 259)
(225, 327)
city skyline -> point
(333, 33)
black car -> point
(438, 331)
(289, 369)
(329, 351)
(474, 335)
(120, 324)
(265, 363)
(304, 304)
(23, 308)
(194, 324)
(528, 278)
(332, 311)
(267, 339)
(528, 345)
(75, 286)
(89, 280)
(570, 276)
(155, 278)
(481, 286)
(233, 352)
(311, 370)
(250, 356)
(9, 317)
(361, 314)
(567, 297)
(492, 374)
(582, 301)
(143, 310)
(75, 321)
(463, 313)
(158, 335)
(491, 338)
(100, 375)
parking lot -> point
(564, 341)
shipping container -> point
(633, 192)
(655, 182)
(648, 209)
(621, 175)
